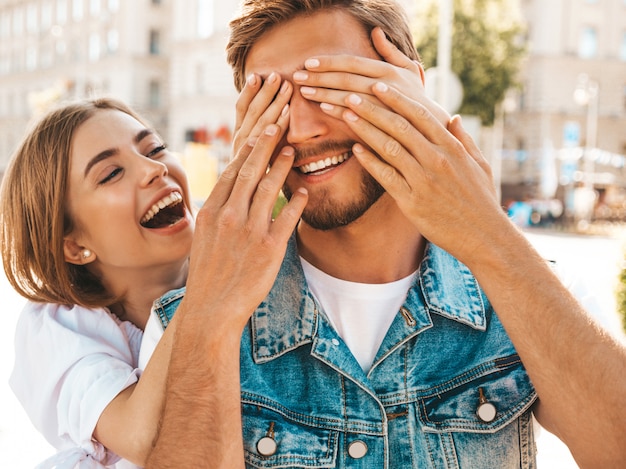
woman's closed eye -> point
(156, 151)
(110, 175)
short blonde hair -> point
(259, 16)
(33, 211)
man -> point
(376, 347)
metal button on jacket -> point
(357, 449)
(486, 411)
(266, 446)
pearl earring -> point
(86, 253)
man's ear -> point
(77, 254)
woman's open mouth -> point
(166, 212)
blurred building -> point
(562, 130)
(565, 130)
(52, 50)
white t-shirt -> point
(70, 362)
(361, 313)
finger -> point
(386, 174)
(255, 167)
(349, 77)
(409, 125)
(266, 194)
(418, 115)
(266, 107)
(250, 89)
(456, 128)
(336, 97)
(289, 216)
(391, 54)
(224, 185)
(386, 144)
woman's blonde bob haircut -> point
(33, 211)
(259, 16)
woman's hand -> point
(329, 79)
(237, 248)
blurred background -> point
(541, 86)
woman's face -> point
(128, 198)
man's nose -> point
(306, 120)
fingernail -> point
(272, 78)
(351, 116)
(307, 90)
(311, 63)
(380, 86)
(284, 87)
(300, 75)
(354, 99)
(251, 80)
(327, 107)
(358, 148)
(271, 130)
(287, 151)
(252, 141)
(285, 110)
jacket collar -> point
(288, 317)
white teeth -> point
(171, 199)
(325, 163)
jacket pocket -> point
(273, 439)
(484, 399)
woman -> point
(96, 224)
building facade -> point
(565, 128)
(51, 50)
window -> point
(31, 19)
(94, 47)
(31, 58)
(5, 24)
(18, 22)
(113, 41)
(205, 18)
(622, 50)
(61, 12)
(94, 8)
(588, 45)
(77, 10)
(155, 39)
(155, 94)
(114, 5)
(46, 15)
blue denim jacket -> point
(445, 367)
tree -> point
(487, 49)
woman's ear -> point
(77, 254)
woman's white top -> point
(70, 362)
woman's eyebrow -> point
(99, 157)
(143, 134)
(113, 151)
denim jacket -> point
(446, 389)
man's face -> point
(340, 190)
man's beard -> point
(327, 214)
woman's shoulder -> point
(51, 321)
